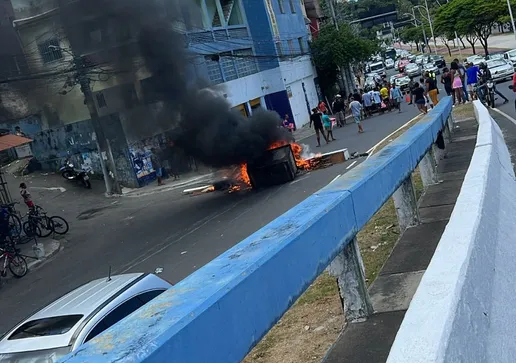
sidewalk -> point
(36, 254)
(370, 341)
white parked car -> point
(420, 59)
(500, 69)
(511, 56)
(77, 317)
(475, 59)
(403, 83)
(430, 67)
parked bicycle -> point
(15, 225)
(13, 261)
(39, 224)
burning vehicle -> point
(279, 164)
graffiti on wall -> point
(140, 152)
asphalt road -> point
(168, 230)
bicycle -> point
(14, 261)
(15, 225)
(40, 225)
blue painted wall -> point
(291, 25)
(261, 33)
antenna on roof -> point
(109, 274)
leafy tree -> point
(336, 48)
(471, 18)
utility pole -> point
(106, 157)
(422, 25)
(343, 74)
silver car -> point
(510, 56)
(412, 70)
(431, 67)
(77, 317)
(500, 69)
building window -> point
(214, 71)
(279, 48)
(281, 6)
(50, 50)
(101, 101)
(292, 6)
(291, 49)
(232, 12)
(301, 42)
(245, 62)
(228, 67)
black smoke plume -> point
(202, 121)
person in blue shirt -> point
(328, 127)
(472, 72)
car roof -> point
(86, 301)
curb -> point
(56, 247)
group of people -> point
(467, 82)
(424, 94)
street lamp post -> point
(429, 22)
(422, 25)
(512, 18)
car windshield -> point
(56, 325)
(376, 66)
(38, 356)
(411, 66)
(512, 53)
(496, 56)
(496, 63)
(402, 80)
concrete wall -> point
(218, 313)
(298, 77)
(464, 309)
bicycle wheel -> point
(46, 227)
(31, 229)
(18, 266)
(15, 226)
(60, 225)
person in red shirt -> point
(514, 87)
(322, 107)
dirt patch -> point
(307, 331)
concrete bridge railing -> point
(464, 309)
(220, 312)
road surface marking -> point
(388, 136)
(61, 189)
(351, 165)
(337, 177)
(298, 180)
(506, 115)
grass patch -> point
(462, 112)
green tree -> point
(336, 48)
(471, 18)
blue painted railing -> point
(220, 312)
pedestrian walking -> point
(368, 103)
(431, 89)
(328, 127)
(338, 110)
(316, 119)
(355, 108)
(456, 84)
(446, 80)
(396, 97)
(157, 166)
(472, 72)
(461, 70)
(322, 107)
(420, 98)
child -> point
(24, 192)
(356, 110)
(328, 127)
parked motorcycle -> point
(69, 172)
(490, 96)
